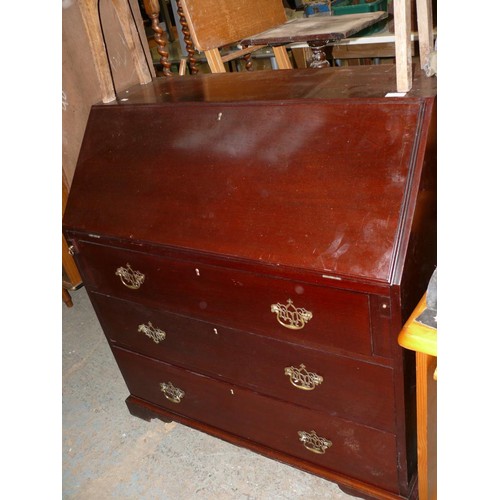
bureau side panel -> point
(417, 261)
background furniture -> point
(214, 23)
(402, 29)
(227, 305)
(422, 339)
(71, 278)
(104, 51)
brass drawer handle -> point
(302, 379)
(313, 442)
(130, 278)
(172, 393)
(155, 334)
(290, 316)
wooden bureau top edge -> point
(374, 81)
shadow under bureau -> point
(252, 256)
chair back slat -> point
(215, 23)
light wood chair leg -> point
(402, 31)
(425, 31)
(282, 59)
(214, 60)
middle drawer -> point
(341, 386)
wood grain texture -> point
(340, 321)
(360, 452)
(327, 28)
(254, 165)
(215, 23)
(427, 426)
(402, 30)
(425, 31)
(219, 351)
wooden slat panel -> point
(316, 28)
(425, 31)
(214, 23)
(402, 28)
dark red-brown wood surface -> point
(359, 451)
(236, 299)
(271, 180)
(362, 392)
(314, 185)
(282, 85)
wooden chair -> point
(255, 24)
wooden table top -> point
(325, 28)
(371, 81)
(416, 336)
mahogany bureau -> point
(252, 245)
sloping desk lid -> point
(315, 184)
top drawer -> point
(284, 309)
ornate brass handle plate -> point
(290, 316)
(130, 278)
(302, 379)
(313, 442)
(172, 393)
(155, 334)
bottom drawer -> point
(357, 451)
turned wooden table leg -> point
(318, 55)
(187, 39)
(248, 62)
(67, 298)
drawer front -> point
(341, 386)
(357, 451)
(284, 309)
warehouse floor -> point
(107, 453)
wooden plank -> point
(132, 41)
(241, 53)
(425, 31)
(302, 56)
(92, 23)
(426, 426)
(369, 50)
(214, 60)
(402, 30)
(215, 23)
(282, 58)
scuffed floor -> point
(107, 453)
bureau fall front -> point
(252, 255)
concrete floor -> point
(107, 453)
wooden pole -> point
(402, 31)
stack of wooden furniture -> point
(208, 25)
